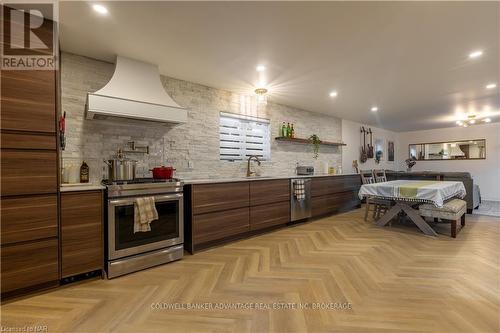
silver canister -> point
(121, 169)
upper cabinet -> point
(28, 100)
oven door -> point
(166, 231)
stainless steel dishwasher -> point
(300, 207)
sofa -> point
(473, 197)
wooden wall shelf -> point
(307, 141)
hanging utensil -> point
(62, 131)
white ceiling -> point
(408, 58)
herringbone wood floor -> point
(396, 279)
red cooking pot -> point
(163, 172)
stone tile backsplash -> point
(192, 148)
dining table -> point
(407, 194)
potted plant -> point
(315, 142)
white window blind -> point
(242, 136)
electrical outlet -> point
(190, 164)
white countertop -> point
(188, 181)
(93, 187)
(81, 187)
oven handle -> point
(158, 198)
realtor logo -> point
(29, 36)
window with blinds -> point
(242, 136)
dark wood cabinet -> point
(270, 215)
(220, 212)
(334, 194)
(219, 225)
(28, 101)
(28, 172)
(269, 191)
(28, 265)
(28, 141)
(81, 232)
(336, 202)
(218, 197)
(270, 203)
(28, 218)
(29, 177)
(328, 185)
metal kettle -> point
(121, 168)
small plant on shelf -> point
(315, 142)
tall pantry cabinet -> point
(29, 179)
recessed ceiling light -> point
(100, 9)
(260, 68)
(374, 109)
(491, 86)
(333, 93)
(487, 120)
(475, 54)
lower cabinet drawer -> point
(29, 264)
(28, 218)
(334, 202)
(209, 198)
(265, 216)
(331, 185)
(213, 226)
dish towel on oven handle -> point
(299, 190)
(144, 213)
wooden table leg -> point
(412, 214)
(389, 215)
(418, 220)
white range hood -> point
(135, 91)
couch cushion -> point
(451, 210)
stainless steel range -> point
(128, 251)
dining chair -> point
(382, 205)
(367, 176)
(379, 175)
(377, 205)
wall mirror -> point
(450, 150)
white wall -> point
(486, 173)
(352, 137)
(192, 148)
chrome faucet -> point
(251, 173)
